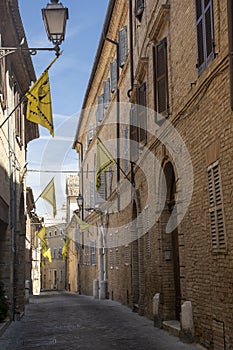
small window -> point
(217, 222)
(205, 33)
(55, 253)
(55, 233)
(61, 276)
(139, 8)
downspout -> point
(131, 49)
(230, 34)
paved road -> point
(61, 321)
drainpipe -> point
(131, 49)
(230, 34)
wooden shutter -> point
(217, 224)
(113, 75)
(106, 93)
(161, 77)
(123, 46)
(100, 109)
(100, 196)
(142, 113)
(133, 134)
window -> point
(55, 233)
(161, 77)
(55, 253)
(60, 253)
(205, 35)
(92, 253)
(141, 115)
(86, 254)
(139, 8)
(217, 224)
(110, 180)
(50, 275)
(123, 46)
(61, 276)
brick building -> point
(160, 99)
(16, 75)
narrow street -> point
(68, 321)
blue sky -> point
(68, 80)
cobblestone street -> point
(68, 321)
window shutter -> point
(92, 197)
(123, 46)
(100, 109)
(126, 149)
(100, 196)
(161, 77)
(133, 134)
(113, 75)
(217, 224)
(142, 114)
(106, 93)
(139, 7)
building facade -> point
(160, 99)
(16, 75)
(53, 273)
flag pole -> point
(18, 104)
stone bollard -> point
(157, 320)
(96, 289)
(187, 327)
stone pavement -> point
(60, 321)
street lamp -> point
(54, 17)
(79, 199)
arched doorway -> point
(170, 251)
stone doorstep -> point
(172, 326)
(4, 325)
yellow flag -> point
(65, 248)
(49, 195)
(39, 108)
(42, 234)
(48, 255)
(103, 161)
(82, 224)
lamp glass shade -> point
(55, 17)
